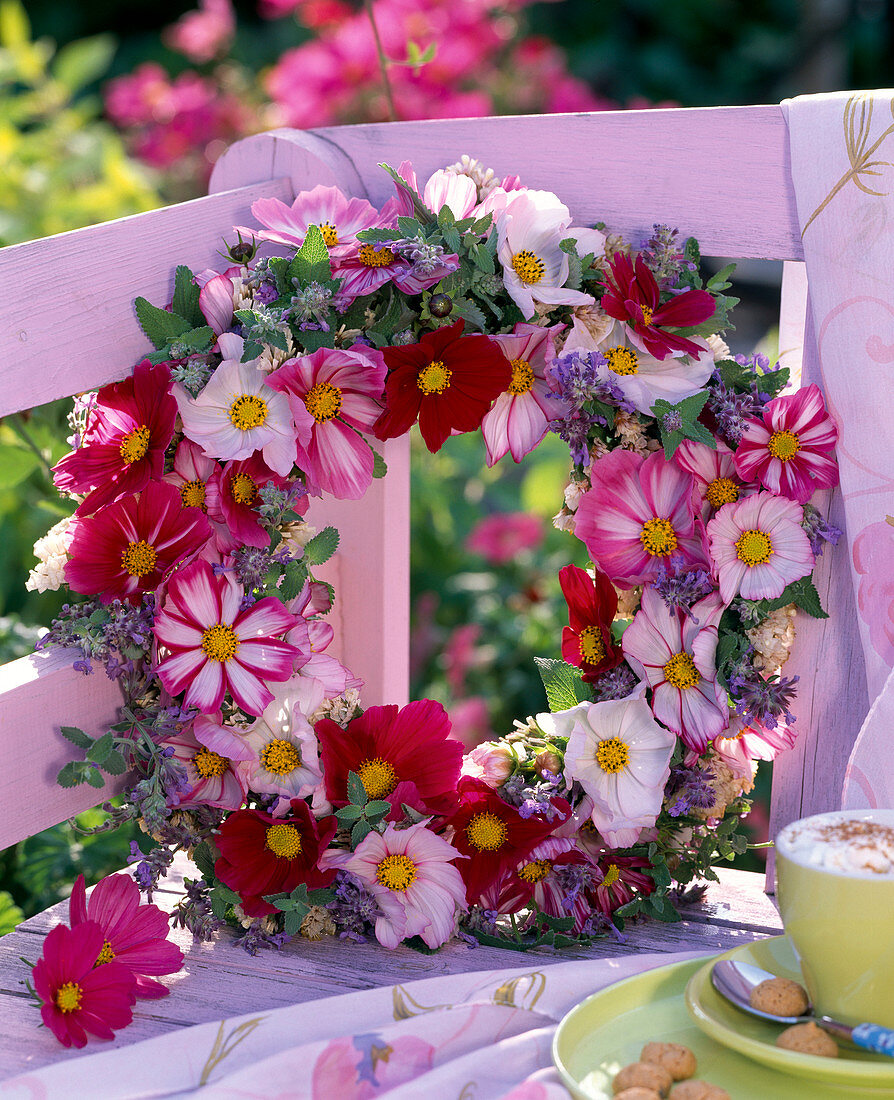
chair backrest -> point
(629, 169)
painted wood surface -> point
(719, 173)
(221, 980)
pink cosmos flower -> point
(237, 413)
(135, 935)
(638, 515)
(545, 889)
(232, 497)
(716, 478)
(217, 299)
(211, 769)
(411, 874)
(191, 473)
(632, 296)
(789, 453)
(214, 647)
(201, 35)
(499, 538)
(124, 445)
(339, 219)
(340, 391)
(675, 653)
(758, 547)
(374, 265)
(129, 547)
(520, 417)
(621, 757)
(78, 996)
(282, 755)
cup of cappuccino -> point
(835, 889)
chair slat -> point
(68, 324)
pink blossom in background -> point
(460, 656)
(203, 34)
(874, 564)
(499, 538)
(470, 720)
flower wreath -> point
(464, 303)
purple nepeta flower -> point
(672, 421)
(253, 939)
(425, 256)
(575, 431)
(662, 257)
(252, 563)
(682, 590)
(116, 634)
(194, 911)
(534, 797)
(819, 530)
(150, 867)
(354, 909)
(617, 684)
(732, 410)
(579, 376)
(690, 789)
(756, 362)
(760, 699)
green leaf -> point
(801, 593)
(221, 897)
(16, 464)
(380, 467)
(198, 339)
(76, 736)
(293, 579)
(203, 858)
(347, 815)
(101, 748)
(94, 778)
(159, 325)
(311, 261)
(10, 913)
(360, 832)
(377, 236)
(114, 763)
(356, 791)
(562, 683)
(720, 280)
(376, 810)
(321, 547)
(79, 63)
(314, 339)
(409, 227)
(470, 313)
(774, 381)
(186, 297)
(15, 30)
(70, 775)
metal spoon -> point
(735, 981)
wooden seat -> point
(78, 331)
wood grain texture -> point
(682, 167)
(37, 695)
(221, 980)
(68, 325)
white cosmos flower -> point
(285, 758)
(621, 757)
(237, 413)
(529, 231)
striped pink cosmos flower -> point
(675, 653)
(789, 452)
(214, 647)
(716, 478)
(639, 515)
(758, 547)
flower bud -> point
(440, 305)
(549, 761)
(493, 762)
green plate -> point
(608, 1030)
(756, 1038)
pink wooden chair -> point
(630, 169)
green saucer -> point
(608, 1030)
(756, 1039)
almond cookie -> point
(698, 1090)
(638, 1093)
(645, 1075)
(679, 1061)
(808, 1039)
(779, 997)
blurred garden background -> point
(109, 108)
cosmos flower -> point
(592, 604)
(211, 767)
(190, 474)
(339, 219)
(283, 758)
(716, 478)
(232, 498)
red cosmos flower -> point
(620, 876)
(494, 835)
(231, 497)
(135, 935)
(261, 854)
(592, 603)
(124, 444)
(394, 751)
(78, 996)
(128, 547)
(632, 295)
(789, 453)
(447, 380)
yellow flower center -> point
(105, 956)
(534, 871)
(284, 840)
(139, 558)
(192, 494)
(680, 671)
(243, 489)
(330, 234)
(135, 444)
(754, 547)
(370, 256)
(435, 378)
(522, 377)
(612, 875)
(784, 445)
(591, 646)
(378, 777)
(647, 315)
(280, 757)
(248, 411)
(220, 642)
(722, 490)
(622, 360)
(68, 997)
(612, 755)
(658, 537)
(323, 401)
(487, 832)
(209, 764)
(528, 267)
(397, 872)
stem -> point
(383, 60)
(16, 424)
